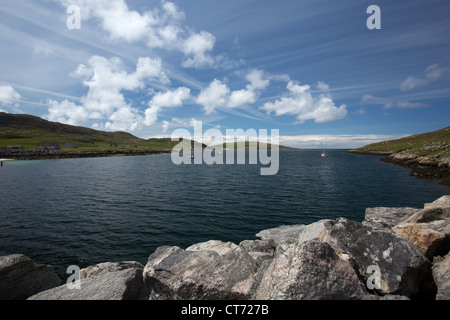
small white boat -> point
(324, 155)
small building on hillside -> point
(69, 145)
(45, 145)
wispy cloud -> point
(391, 104)
(432, 73)
(334, 141)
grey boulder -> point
(105, 267)
(207, 271)
(21, 278)
(403, 268)
(384, 218)
(441, 275)
(309, 271)
(428, 230)
(120, 285)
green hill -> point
(248, 146)
(26, 132)
(436, 143)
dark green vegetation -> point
(28, 131)
(436, 143)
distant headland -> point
(26, 137)
(427, 154)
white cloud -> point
(128, 25)
(151, 116)
(241, 97)
(251, 93)
(197, 47)
(124, 119)
(432, 73)
(160, 28)
(122, 23)
(257, 81)
(104, 101)
(216, 95)
(67, 112)
(304, 106)
(8, 95)
(165, 125)
(168, 99)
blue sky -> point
(310, 68)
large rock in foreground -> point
(209, 271)
(20, 277)
(403, 268)
(310, 271)
(120, 285)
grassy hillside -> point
(436, 143)
(27, 131)
(260, 145)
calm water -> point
(86, 211)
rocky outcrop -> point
(395, 253)
(384, 218)
(441, 274)
(259, 250)
(428, 230)
(212, 270)
(309, 271)
(118, 285)
(20, 277)
(422, 166)
(106, 267)
(402, 266)
(442, 202)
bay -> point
(92, 210)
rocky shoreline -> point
(394, 254)
(429, 167)
(58, 154)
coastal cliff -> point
(427, 154)
(395, 253)
(429, 167)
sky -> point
(312, 69)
